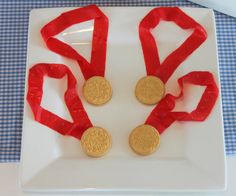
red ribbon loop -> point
(80, 118)
(161, 117)
(98, 53)
(165, 69)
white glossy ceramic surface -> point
(191, 155)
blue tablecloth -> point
(14, 16)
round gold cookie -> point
(144, 139)
(96, 141)
(97, 90)
(150, 90)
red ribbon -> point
(165, 69)
(161, 117)
(80, 118)
(99, 43)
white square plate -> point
(191, 155)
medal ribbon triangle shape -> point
(73, 103)
(165, 69)
(96, 67)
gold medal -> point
(144, 139)
(150, 90)
(97, 90)
(96, 141)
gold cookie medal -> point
(150, 90)
(97, 90)
(96, 141)
(144, 140)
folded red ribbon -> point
(161, 117)
(80, 118)
(165, 69)
(99, 42)
(96, 67)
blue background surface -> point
(14, 17)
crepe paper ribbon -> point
(165, 69)
(80, 118)
(99, 41)
(161, 117)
